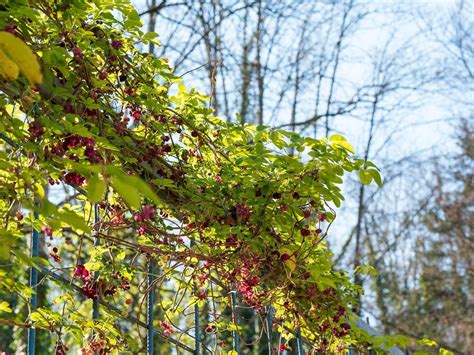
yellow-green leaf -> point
(128, 192)
(365, 176)
(96, 188)
(376, 176)
(5, 307)
(336, 140)
(74, 220)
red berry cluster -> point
(54, 255)
(247, 282)
(243, 211)
(47, 230)
(60, 348)
(167, 328)
(121, 125)
(117, 215)
(89, 290)
(96, 346)
(232, 241)
(201, 294)
(73, 178)
(147, 213)
(36, 130)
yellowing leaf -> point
(8, 69)
(427, 342)
(337, 140)
(4, 307)
(20, 54)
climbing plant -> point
(145, 174)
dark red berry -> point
(116, 44)
(305, 232)
(77, 52)
(102, 75)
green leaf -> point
(129, 193)
(366, 269)
(47, 208)
(7, 240)
(96, 188)
(365, 177)
(376, 176)
(74, 220)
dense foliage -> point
(153, 178)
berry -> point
(201, 294)
(305, 232)
(47, 230)
(11, 28)
(277, 195)
(283, 347)
(307, 213)
(74, 179)
(323, 217)
(36, 129)
(103, 75)
(128, 301)
(136, 115)
(116, 44)
(77, 52)
(210, 329)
